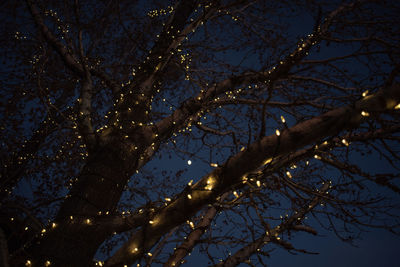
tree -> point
(98, 95)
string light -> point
(289, 174)
(189, 196)
(47, 263)
(210, 182)
(344, 141)
(277, 132)
(214, 165)
(191, 224)
(397, 106)
(258, 183)
(28, 263)
(365, 93)
(189, 162)
(283, 119)
(267, 161)
(364, 113)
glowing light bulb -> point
(191, 225)
(364, 113)
(289, 174)
(267, 161)
(189, 162)
(277, 132)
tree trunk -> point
(74, 237)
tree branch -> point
(271, 235)
(222, 178)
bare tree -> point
(268, 98)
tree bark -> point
(74, 236)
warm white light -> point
(191, 224)
(278, 133)
(258, 183)
(210, 182)
(283, 119)
(189, 196)
(267, 161)
(364, 113)
(289, 174)
(189, 162)
(344, 141)
(397, 106)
